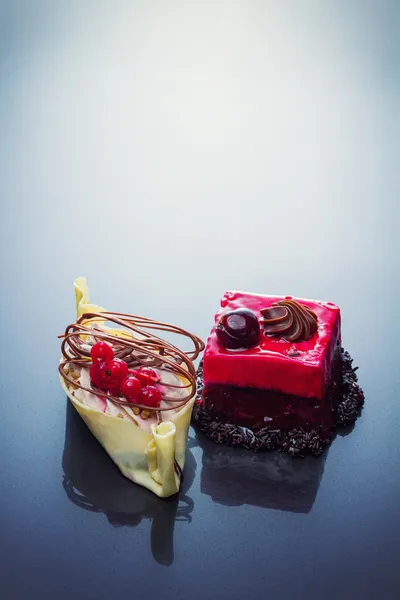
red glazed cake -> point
(274, 375)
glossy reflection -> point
(92, 482)
(234, 476)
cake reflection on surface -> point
(234, 476)
(92, 482)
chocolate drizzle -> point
(289, 319)
(136, 345)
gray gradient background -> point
(169, 151)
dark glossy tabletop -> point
(170, 151)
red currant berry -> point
(101, 352)
(151, 396)
(118, 368)
(131, 388)
(97, 374)
(107, 376)
(147, 376)
(101, 377)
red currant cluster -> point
(112, 375)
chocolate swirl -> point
(289, 319)
(136, 345)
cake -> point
(134, 390)
(275, 376)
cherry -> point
(238, 329)
(151, 396)
(101, 352)
(131, 388)
(107, 376)
(146, 375)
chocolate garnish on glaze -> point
(289, 319)
(137, 345)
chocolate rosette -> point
(290, 320)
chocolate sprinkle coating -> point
(295, 442)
